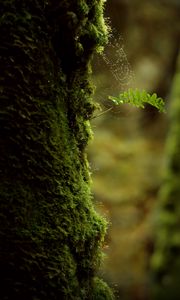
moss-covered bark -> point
(50, 235)
(166, 258)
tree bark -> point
(50, 234)
(166, 257)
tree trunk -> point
(50, 235)
(166, 257)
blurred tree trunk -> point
(166, 257)
(50, 235)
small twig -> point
(102, 113)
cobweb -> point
(113, 73)
(116, 59)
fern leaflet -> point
(139, 98)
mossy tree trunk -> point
(50, 235)
(166, 257)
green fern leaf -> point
(138, 98)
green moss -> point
(102, 291)
(82, 8)
(50, 234)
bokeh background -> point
(127, 156)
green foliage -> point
(139, 98)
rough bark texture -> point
(166, 258)
(50, 235)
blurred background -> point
(127, 155)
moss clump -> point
(50, 235)
(101, 291)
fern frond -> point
(139, 98)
